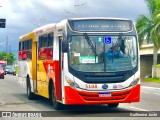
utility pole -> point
(9, 48)
(7, 45)
(6, 48)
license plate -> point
(104, 94)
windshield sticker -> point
(77, 54)
(107, 40)
(88, 59)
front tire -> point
(56, 105)
(30, 94)
(113, 105)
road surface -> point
(13, 98)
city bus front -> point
(101, 64)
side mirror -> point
(64, 46)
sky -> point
(22, 16)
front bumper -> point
(8, 72)
(73, 96)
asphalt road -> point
(13, 98)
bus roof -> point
(45, 29)
(25, 37)
(99, 18)
(50, 27)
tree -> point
(3, 55)
(148, 27)
(10, 58)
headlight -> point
(71, 82)
(134, 82)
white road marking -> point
(144, 92)
(138, 109)
(150, 93)
(151, 87)
(156, 93)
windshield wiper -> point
(91, 45)
(89, 42)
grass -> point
(158, 65)
(157, 80)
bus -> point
(82, 61)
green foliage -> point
(158, 65)
(3, 55)
(10, 58)
(157, 80)
(149, 26)
(143, 25)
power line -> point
(75, 9)
(78, 5)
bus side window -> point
(25, 50)
(20, 51)
(50, 46)
(24, 55)
(45, 47)
(42, 47)
(29, 50)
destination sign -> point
(101, 25)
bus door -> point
(59, 70)
(41, 60)
(34, 63)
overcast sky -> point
(23, 16)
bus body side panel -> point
(42, 79)
(57, 59)
(57, 81)
(26, 67)
(42, 69)
(47, 70)
(73, 96)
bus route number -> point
(91, 85)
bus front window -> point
(93, 54)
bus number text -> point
(91, 85)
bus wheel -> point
(52, 96)
(30, 94)
(113, 105)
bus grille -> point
(94, 96)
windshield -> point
(102, 53)
(2, 66)
(9, 67)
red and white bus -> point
(82, 61)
